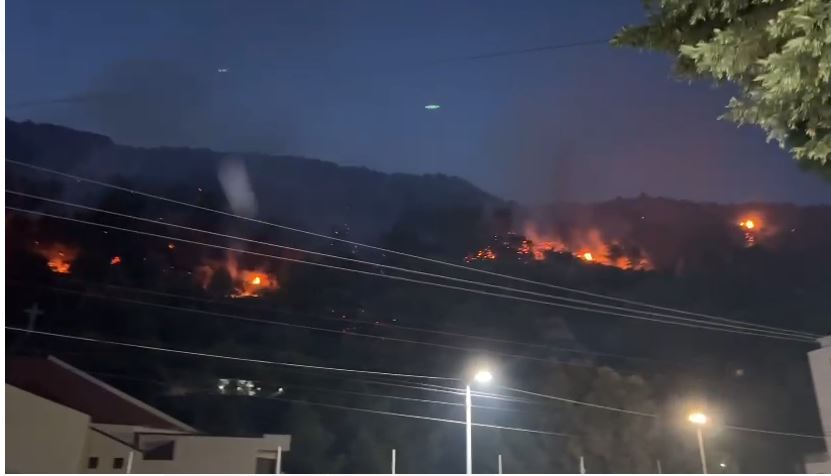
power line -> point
(419, 417)
(313, 328)
(523, 51)
(655, 415)
(768, 334)
(746, 326)
(292, 386)
(385, 374)
(226, 357)
(396, 397)
(384, 325)
(577, 402)
(777, 433)
(378, 248)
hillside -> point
(701, 257)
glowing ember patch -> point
(256, 280)
(587, 256)
(171, 246)
(59, 257)
(115, 260)
(483, 254)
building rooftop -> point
(62, 383)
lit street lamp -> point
(481, 376)
(699, 420)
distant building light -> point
(432, 107)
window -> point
(92, 463)
(266, 466)
(118, 463)
(159, 451)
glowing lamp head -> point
(483, 376)
(697, 418)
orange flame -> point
(589, 246)
(245, 283)
(115, 260)
(752, 226)
(59, 257)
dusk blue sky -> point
(347, 81)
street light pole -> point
(701, 451)
(469, 430)
(482, 376)
(699, 420)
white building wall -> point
(45, 437)
(213, 454)
(106, 448)
(37, 427)
(820, 361)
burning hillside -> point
(589, 246)
(241, 283)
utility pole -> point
(658, 464)
(278, 464)
(499, 461)
(393, 461)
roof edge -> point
(155, 411)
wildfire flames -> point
(59, 257)
(751, 227)
(115, 260)
(589, 246)
(483, 254)
(244, 282)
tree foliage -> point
(777, 51)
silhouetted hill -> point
(315, 193)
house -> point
(62, 420)
(820, 360)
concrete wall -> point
(820, 361)
(212, 454)
(107, 448)
(36, 427)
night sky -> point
(347, 81)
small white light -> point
(432, 107)
(723, 465)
